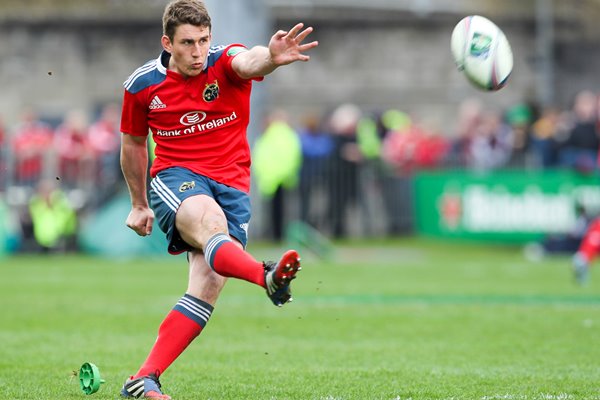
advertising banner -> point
(511, 206)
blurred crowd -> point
(525, 137)
(51, 174)
(348, 155)
(78, 153)
(320, 170)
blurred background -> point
(377, 136)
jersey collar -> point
(163, 62)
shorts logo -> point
(187, 186)
(192, 118)
(211, 91)
(244, 226)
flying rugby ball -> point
(482, 52)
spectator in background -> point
(104, 140)
(598, 115)
(491, 147)
(317, 146)
(277, 157)
(413, 147)
(71, 141)
(345, 164)
(3, 150)
(370, 133)
(470, 114)
(31, 144)
(519, 118)
(580, 149)
(383, 125)
(53, 218)
(546, 133)
(378, 176)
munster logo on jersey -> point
(187, 186)
(211, 91)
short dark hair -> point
(180, 12)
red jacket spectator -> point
(31, 143)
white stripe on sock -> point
(190, 305)
(213, 242)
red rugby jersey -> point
(199, 122)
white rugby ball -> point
(482, 52)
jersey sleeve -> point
(229, 54)
(134, 116)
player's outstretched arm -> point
(134, 164)
(285, 47)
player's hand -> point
(140, 219)
(286, 46)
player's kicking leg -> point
(279, 275)
(228, 259)
(219, 229)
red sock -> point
(227, 259)
(179, 328)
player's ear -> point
(166, 43)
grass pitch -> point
(406, 319)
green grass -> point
(406, 319)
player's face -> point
(188, 49)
